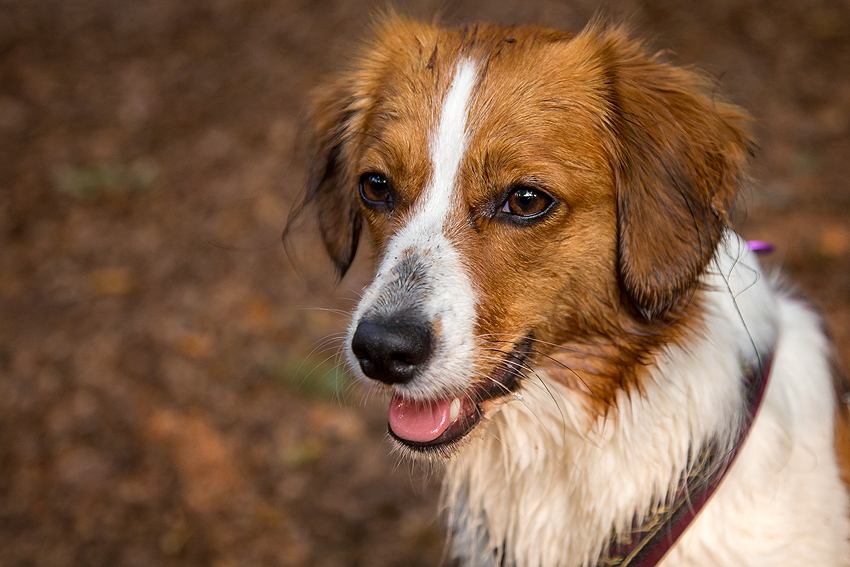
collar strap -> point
(648, 543)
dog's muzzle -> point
(414, 333)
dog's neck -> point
(548, 482)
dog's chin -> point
(442, 425)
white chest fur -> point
(546, 484)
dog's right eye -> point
(375, 190)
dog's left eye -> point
(527, 202)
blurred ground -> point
(166, 396)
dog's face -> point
(524, 188)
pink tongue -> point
(419, 421)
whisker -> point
(551, 358)
(326, 309)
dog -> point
(562, 315)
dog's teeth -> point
(454, 411)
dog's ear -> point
(678, 155)
(335, 117)
(339, 118)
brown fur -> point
(642, 159)
(677, 149)
(607, 128)
(842, 420)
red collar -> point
(648, 543)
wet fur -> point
(642, 305)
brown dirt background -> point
(167, 394)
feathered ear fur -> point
(334, 125)
(339, 118)
(678, 155)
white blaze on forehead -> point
(449, 144)
(447, 148)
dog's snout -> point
(391, 351)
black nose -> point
(391, 351)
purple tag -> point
(761, 246)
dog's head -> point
(524, 187)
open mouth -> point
(440, 423)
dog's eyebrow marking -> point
(433, 59)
